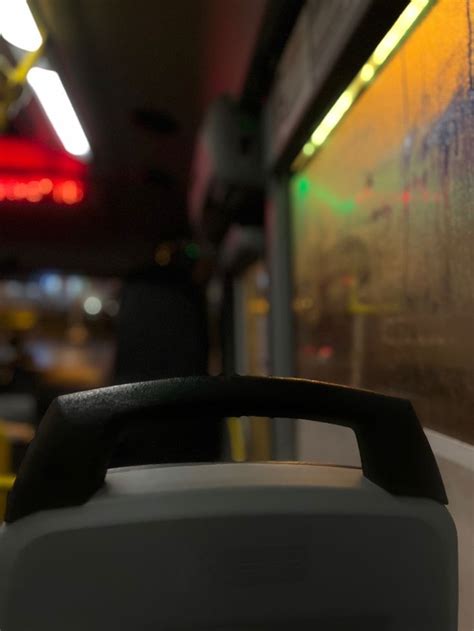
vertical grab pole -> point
(278, 239)
(5, 468)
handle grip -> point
(67, 461)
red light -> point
(46, 186)
(70, 192)
(61, 191)
(348, 280)
(406, 196)
(23, 154)
(58, 194)
(326, 352)
(33, 193)
(19, 190)
(31, 172)
(10, 191)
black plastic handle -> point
(67, 461)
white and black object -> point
(227, 546)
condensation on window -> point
(383, 232)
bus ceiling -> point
(138, 79)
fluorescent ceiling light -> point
(369, 70)
(55, 102)
(332, 118)
(398, 30)
(18, 26)
(309, 149)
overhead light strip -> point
(18, 26)
(407, 19)
(55, 102)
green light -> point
(343, 206)
(303, 187)
(192, 251)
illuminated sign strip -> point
(32, 172)
(23, 188)
(407, 19)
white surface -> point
(459, 482)
(328, 444)
(319, 442)
(291, 543)
(448, 448)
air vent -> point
(155, 120)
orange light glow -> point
(10, 191)
(404, 153)
(326, 351)
(19, 190)
(46, 186)
(36, 190)
(163, 255)
(58, 194)
(33, 193)
(71, 192)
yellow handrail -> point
(5, 453)
(237, 439)
(6, 478)
(15, 79)
(6, 482)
